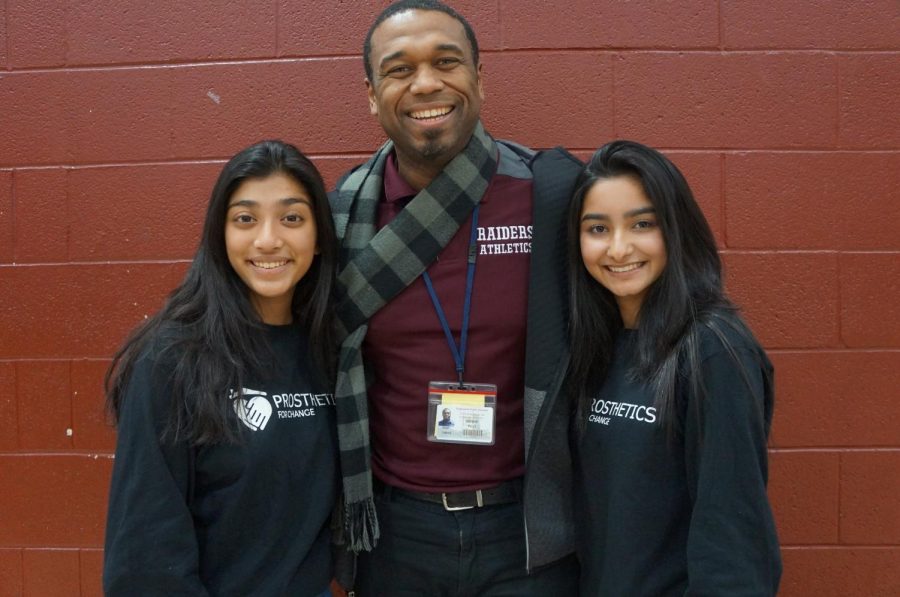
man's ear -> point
(479, 74)
(370, 92)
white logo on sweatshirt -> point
(252, 408)
(602, 411)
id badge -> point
(461, 414)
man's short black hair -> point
(404, 5)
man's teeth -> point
(624, 268)
(268, 264)
(434, 113)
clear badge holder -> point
(461, 414)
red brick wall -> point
(115, 117)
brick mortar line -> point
(666, 50)
(723, 252)
(840, 494)
(839, 299)
(840, 102)
(22, 566)
(66, 24)
(16, 394)
(781, 251)
(720, 22)
(839, 450)
(8, 65)
(68, 210)
(772, 351)
(175, 162)
(81, 572)
(12, 213)
(55, 359)
(120, 66)
(499, 5)
(723, 200)
(95, 455)
(613, 69)
(91, 263)
(71, 425)
(835, 547)
(277, 28)
(356, 155)
(864, 350)
(23, 548)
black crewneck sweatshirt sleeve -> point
(732, 546)
(151, 544)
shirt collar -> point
(395, 187)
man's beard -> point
(433, 148)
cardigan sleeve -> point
(732, 543)
(151, 546)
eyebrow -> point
(628, 214)
(446, 47)
(285, 202)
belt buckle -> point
(479, 501)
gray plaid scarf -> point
(377, 266)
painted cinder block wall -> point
(115, 117)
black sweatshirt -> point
(226, 519)
(682, 516)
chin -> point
(433, 150)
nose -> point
(426, 80)
(619, 246)
(268, 238)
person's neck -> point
(629, 310)
(274, 312)
(419, 175)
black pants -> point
(425, 550)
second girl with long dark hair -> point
(673, 393)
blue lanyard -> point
(459, 354)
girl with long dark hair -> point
(226, 462)
(673, 394)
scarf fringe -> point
(361, 525)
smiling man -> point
(425, 89)
(451, 294)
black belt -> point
(505, 493)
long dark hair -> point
(208, 331)
(687, 296)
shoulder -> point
(720, 333)
(145, 399)
(728, 353)
(557, 161)
(353, 179)
(515, 160)
(344, 179)
(732, 372)
(341, 196)
(155, 364)
(524, 162)
(556, 173)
